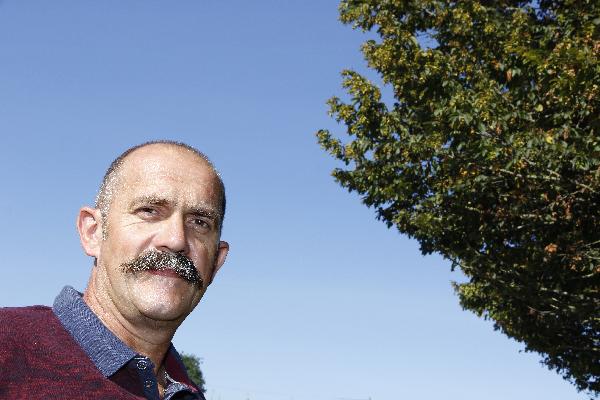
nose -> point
(171, 236)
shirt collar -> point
(106, 351)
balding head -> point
(113, 177)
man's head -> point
(155, 232)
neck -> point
(143, 335)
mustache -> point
(155, 260)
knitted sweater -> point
(40, 359)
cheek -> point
(131, 241)
(204, 259)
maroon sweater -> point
(39, 359)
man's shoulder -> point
(28, 311)
(40, 359)
(28, 324)
(24, 329)
(18, 317)
(33, 336)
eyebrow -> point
(201, 211)
(150, 199)
(156, 200)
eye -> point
(146, 211)
(201, 223)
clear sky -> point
(317, 300)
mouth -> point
(164, 272)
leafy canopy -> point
(192, 365)
(490, 156)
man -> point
(155, 238)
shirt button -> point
(142, 364)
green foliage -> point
(490, 156)
(192, 364)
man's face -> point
(166, 199)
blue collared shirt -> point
(115, 360)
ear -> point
(89, 226)
(222, 251)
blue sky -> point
(317, 299)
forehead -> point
(168, 171)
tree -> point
(489, 156)
(192, 364)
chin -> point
(164, 301)
(163, 311)
(164, 315)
